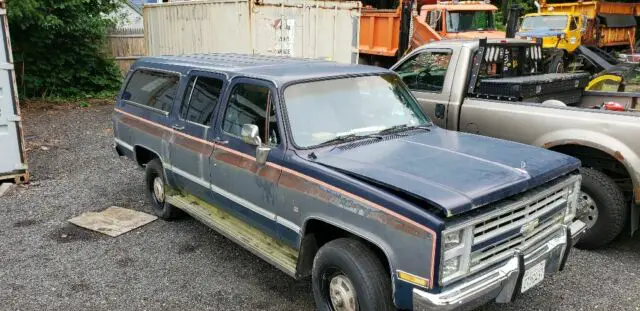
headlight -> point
(451, 266)
(456, 253)
(451, 239)
(572, 201)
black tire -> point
(611, 209)
(359, 264)
(557, 64)
(161, 208)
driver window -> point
(433, 20)
(572, 24)
(425, 71)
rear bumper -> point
(503, 282)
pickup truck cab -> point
(332, 171)
(495, 88)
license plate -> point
(533, 276)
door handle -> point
(439, 113)
(177, 127)
(219, 141)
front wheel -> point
(601, 206)
(347, 276)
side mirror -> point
(250, 134)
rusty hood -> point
(452, 171)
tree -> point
(59, 46)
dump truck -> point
(387, 32)
(567, 29)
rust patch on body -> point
(636, 194)
(618, 156)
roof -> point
(473, 43)
(134, 6)
(461, 6)
(277, 69)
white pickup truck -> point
(493, 88)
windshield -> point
(551, 22)
(321, 111)
(469, 21)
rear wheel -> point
(347, 276)
(155, 190)
(602, 207)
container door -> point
(11, 155)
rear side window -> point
(201, 98)
(152, 89)
(249, 104)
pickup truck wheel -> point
(155, 189)
(602, 207)
(347, 276)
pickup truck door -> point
(191, 144)
(248, 188)
(429, 75)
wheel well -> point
(144, 155)
(316, 234)
(601, 161)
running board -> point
(283, 257)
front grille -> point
(519, 223)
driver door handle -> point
(219, 141)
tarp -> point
(617, 20)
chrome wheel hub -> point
(587, 209)
(342, 294)
(158, 189)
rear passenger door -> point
(191, 144)
(248, 188)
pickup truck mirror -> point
(250, 134)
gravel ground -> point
(47, 263)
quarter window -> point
(248, 104)
(152, 89)
(425, 71)
(201, 98)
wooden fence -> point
(126, 45)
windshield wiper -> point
(403, 128)
(348, 137)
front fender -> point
(597, 140)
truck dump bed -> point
(615, 21)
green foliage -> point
(59, 47)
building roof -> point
(277, 69)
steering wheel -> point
(422, 76)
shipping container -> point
(298, 28)
(13, 167)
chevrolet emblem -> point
(528, 228)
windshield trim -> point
(285, 113)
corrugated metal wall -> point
(311, 29)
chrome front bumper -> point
(502, 283)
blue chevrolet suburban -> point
(332, 171)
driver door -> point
(429, 75)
